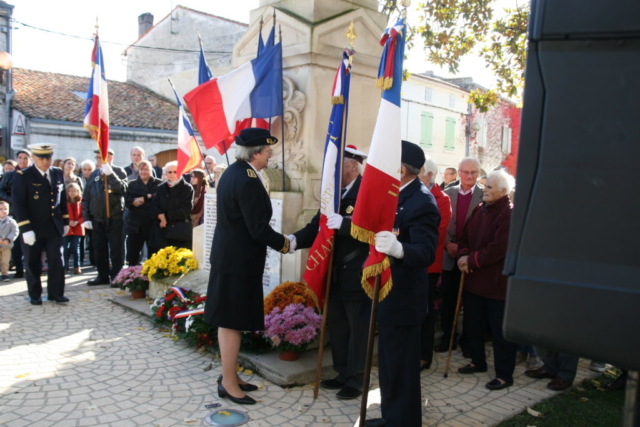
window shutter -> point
(426, 130)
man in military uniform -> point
(23, 157)
(411, 249)
(108, 237)
(40, 208)
(349, 306)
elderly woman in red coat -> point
(481, 250)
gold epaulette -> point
(65, 216)
(251, 173)
(20, 224)
(20, 172)
(287, 245)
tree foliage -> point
(452, 29)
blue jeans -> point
(71, 244)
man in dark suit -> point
(349, 306)
(40, 208)
(108, 232)
(23, 157)
(403, 310)
(238, 254)
(464, 198)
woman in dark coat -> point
(171, 209)
(138, 200)
(238, 253)
(482, 249)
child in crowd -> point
(8, 233)
(71, 242)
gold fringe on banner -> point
(372, 271)
(384, 83)
(313, 296)
(365, 236)
(337, 100)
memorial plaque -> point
(271, 277)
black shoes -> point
(59, 299)
(425, 366)
(35, 301)
(470, 369)
(245, 400)
(331, 384)
(243, 387)
(375, 422)
(496, 384)
(99, 281)
(348, 393)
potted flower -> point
(169, 261)
(132, 278)
(292, 329)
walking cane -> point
(453, 329)
(372, 334)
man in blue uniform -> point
(402, 312)
(40, 208)
(349, 307)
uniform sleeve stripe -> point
(20, 224)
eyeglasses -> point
(171, 172)
(468, 172)
(208, 163)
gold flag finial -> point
(351, 34)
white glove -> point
(387, 243)
(293, 243)
(29, 237)
(334, 221)
(88, 225)
(107, 169)
(66, 230)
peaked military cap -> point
(110, 151)
(254, 137)
(44, 151)
(352, 152)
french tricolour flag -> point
(377, 200)
(189, 154)
(96, 112)
(253, 90)
(318, 261)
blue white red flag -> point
(189, 154)
(204, 72)
(96, 112)
(253, 90)
(377, 201)
(318, 262)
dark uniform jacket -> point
(242, 231)
(140, 217)
(94, 200)
(349, 253)
(5, 186)
(37, 205)
(417, 221)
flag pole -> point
(282, 121)
(370, 341)
(104, 156)
(351, 35)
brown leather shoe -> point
(538, 374)
(77, 270)
(559, 384)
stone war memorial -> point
(314, 35)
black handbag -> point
(179, 231)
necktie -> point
(46, 177)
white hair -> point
(430, 166)
(245, 154)
(140, 149)
(502, 180)
(169, 164)
(469, 160)
(88, 163)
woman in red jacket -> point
(71, 242)
(482, 249)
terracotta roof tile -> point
(45, 95)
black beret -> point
(412, 154)
(254, 137)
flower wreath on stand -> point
(291, 320)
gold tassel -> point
(388, 82)
(365, 236)
(372, 271)
(337, 100)
(313, 295)
(379, 82)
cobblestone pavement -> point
(92, 363)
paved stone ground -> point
(92, 363)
